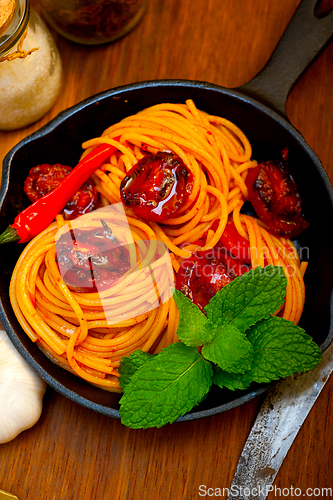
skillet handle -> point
(304, 38)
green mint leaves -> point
(280, 349)
(165, 387)
(247, 300)
(230, 350)
(239, 340)
(191, 320)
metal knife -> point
(282, 414)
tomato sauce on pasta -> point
(70, 326)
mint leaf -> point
(232, 381)
(166, 387)
(249, 298)
(230, 350)
(281, 348)
(130, 364)
(191, 320)
(208, 332)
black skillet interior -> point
(60, 142)
(269, 132)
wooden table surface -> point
(75, 454)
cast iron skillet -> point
(258, 108)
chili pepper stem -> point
(10, 235)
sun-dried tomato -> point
(45, 178)
(157, 186)
(274, 196)
(202, 275)
(91, 259)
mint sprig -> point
(239, 342)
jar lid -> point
(6, 13)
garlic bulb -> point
(21, 392)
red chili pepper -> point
(45, 178)
(42, 212)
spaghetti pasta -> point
(72, 326)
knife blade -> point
(281, 415)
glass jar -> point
(30, 68)
(93, 22)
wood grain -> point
(75, 454)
